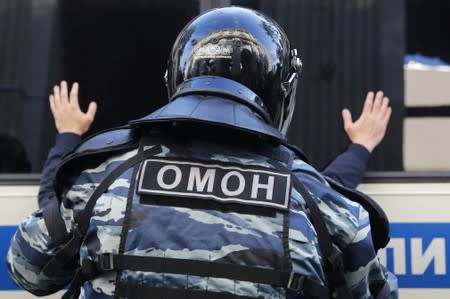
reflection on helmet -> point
(242, 45)
(230, 53)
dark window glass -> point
(118, 50)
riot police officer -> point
(204, 198)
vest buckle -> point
(105, 262)
(296, 282)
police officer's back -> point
(203, 198)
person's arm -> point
(364, 273)
(30, 249)
(71, 123)
(351, 232)
(64, 144)
(349, 167)
(365, 134)
(32, 245)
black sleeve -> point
(64, 144)
(349, 167)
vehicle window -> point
(118, 51)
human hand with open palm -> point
(67, 112)
(369, 129)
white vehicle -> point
(418, 206)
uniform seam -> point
(195, 108)
(356, 232)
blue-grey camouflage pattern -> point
(198, 234)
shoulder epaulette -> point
(106, 139)
(91, 150)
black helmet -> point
(245, 46)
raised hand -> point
(66, 110)
(370, 127)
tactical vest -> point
(227, 188)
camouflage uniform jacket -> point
(196, 233)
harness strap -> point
(66, 255)
(136, 291)
(289, 280)
(384, 292)
(54, 223)
(84, 217)
(77, 280)
(69, 252)
(333, 259)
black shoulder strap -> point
(332, 257)
(83, 218)
(55, 223)
(70, 250)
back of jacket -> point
(207, 201)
